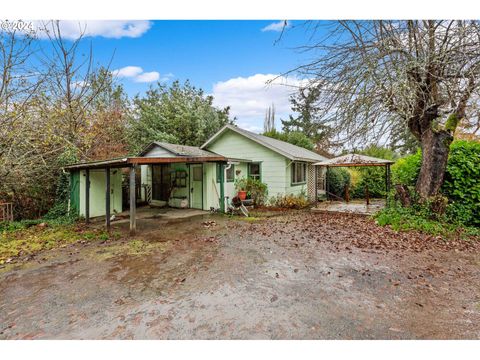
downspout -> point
(222, 189)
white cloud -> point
(249, 98)
(116, 29)
(147, 77)
(277, 26)
(136, 74)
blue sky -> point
(231, 60)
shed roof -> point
(288, 150)
(354, 160)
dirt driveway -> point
(293, 276)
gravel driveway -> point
(295, 275)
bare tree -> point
(376, 76)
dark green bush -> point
(462, 180)
(374, 178)
(337, 178)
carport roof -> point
(354, 160)
(130, 161)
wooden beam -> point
(133, 205)
(87, 196)
(146, 160)
(107, 198)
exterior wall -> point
(97, 192)
(231, 144)
(211, 189)
(157, 151)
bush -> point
(290, 201)
(405, 170)
(419, 218)
(255, 189)
(337, 178)
(462, 180)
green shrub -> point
(405, 170)
(255, 189)
(419, 218)
(337, 178)
(462, 181)
(289, 201)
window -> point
(254, 171)
(299, 173)
(197, 173)
(219, 169)
(231, 173)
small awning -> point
(354, 160)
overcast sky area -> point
(232, 60)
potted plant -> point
(241, 187)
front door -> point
(196, 186)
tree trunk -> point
(435, 148)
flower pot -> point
(242, 195)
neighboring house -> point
(198, 177)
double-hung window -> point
(299, 173)
(254, 171)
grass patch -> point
(28, 240)
(405, 219)
(136, 247)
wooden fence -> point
(6, 212)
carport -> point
(354, 160)
(131, 163)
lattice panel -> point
(311, 182)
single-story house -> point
(195, 177)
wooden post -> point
(387, 182)
(347, 193)
(327, 185)
(367, 195)
(87, 196)
(107, 198)
(133, 205)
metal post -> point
(107, 198)
(87, 196)
(133, 205)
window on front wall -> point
(299, 173)
(231, 174)
(254, 171)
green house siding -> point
(97, 192)
(75, 192)
(231, 144)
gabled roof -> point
(179, 150)
(355, 160)
(290, 151)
